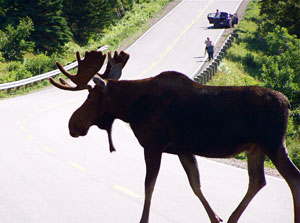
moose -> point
(170, 113)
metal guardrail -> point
(207, 74)
(28, 81)
(200, 77)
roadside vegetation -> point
(34, 35)
(267, 53)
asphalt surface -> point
(47, 176)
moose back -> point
(170, 113)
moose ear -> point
(99, 81)
(115, 72)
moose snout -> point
(73, 133)
(76, 132)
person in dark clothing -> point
(207, 42)
(210, 51)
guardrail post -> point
(215, 65)
(223, 50)
(212, 71)
(201, 79)
(235, 35)
(197, 79)
(206, 74)
(221, 54)
(209, 74)
(219, 58)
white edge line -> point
(201, 65)
(153, 26)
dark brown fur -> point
(170, 113)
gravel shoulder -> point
(243, 165)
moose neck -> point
(122, 96)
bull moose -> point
(169, 113)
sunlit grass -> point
(132, 25)
(231, 74)
(241, 67)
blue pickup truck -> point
(224, 19)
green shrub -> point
(14, 40)
(2, 59)
(40, 64)
(249, 60)
(17, 71)
(134, 21)
(295, 114)
(241, 156)
(294, 153)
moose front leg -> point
(152, 160)
(190, 166)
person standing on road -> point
(207, 44)
(210, 51)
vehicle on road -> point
(223, 19)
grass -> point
(132, 25)
(241, 67)
(231, 74)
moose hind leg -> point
(190, 166)
(256, 182)
(292, 176)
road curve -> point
(49, 177)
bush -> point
(294, 153)
(17, 71)
(13, 41)
(40, 64)
(1, 58)
(249, 60)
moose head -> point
(91, 112)
(169, 113)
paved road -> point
(47, 176)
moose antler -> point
(87, 68)
(115, 65)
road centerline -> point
(177, 39)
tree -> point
(14, 41)
(281, 68)
(285, 13)
(50, 27)
(87, 18)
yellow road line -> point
(30, 137)
(22, 128)
(76, 166)
(56, 105)
(47, 149)
(126, 191)
(170, 47)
